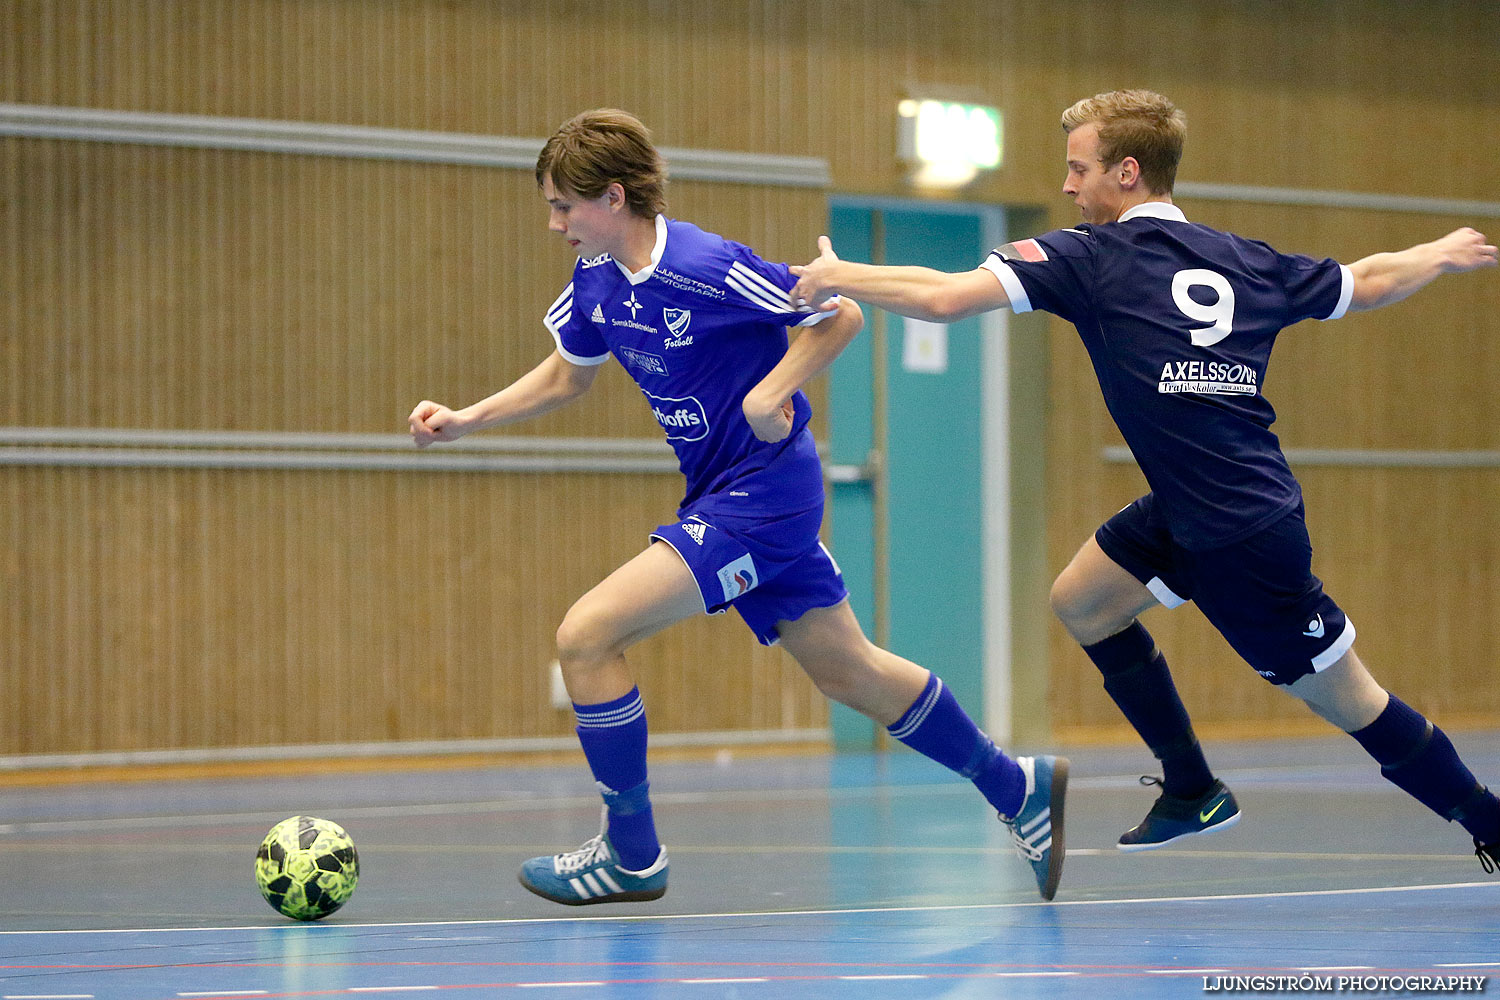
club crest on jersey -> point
(739, 577)
(677, 320)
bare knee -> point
(1086, 611)
(1094, 597)
(1070, 601)
(586, 638)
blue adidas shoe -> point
(1037, 827)
(592, 874)
(1171, 818)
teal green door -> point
(928, 528)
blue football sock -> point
(1137, 678)
(1418, 758)
(614, 741)
(937, 726)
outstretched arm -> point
(1383, 278)
(919, 292)
(768, 406)
(553, 383)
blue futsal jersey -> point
(1179, 320)
(697, 329)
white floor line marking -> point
(862, 978)
(1467, 965)
(761, 914)
(524, 801)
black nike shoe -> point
(1171, 818)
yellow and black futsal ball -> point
(306, 867)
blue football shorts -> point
(770, 569)
(1260, 593)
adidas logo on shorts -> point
(695, 530)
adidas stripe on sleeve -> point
(577, 339)
(767, 290)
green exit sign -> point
(949, 140)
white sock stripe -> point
(919, 715)
(617, 717)
(592, 712)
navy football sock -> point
(613, 735)
(936, 726)
(1137, 678)
(1418, 758)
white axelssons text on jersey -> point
(1208, 377)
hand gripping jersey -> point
(697, 329)
(1179, 320)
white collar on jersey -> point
(1153, 210)
(636, 277)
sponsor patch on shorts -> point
(738, 577)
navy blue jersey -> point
(1179, 320)
(697, 329)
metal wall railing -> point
(323, 139)
(1372, 458)
(177, 449)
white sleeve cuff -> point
(1020, 302)
(817, 315)
(572, 358)
(1346, 294)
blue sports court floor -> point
(839, 876)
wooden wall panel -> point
(193, 289)
(333, 293)
(161, 609)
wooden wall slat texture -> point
(171, 288)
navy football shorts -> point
(769, 569)
(1260, 593)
